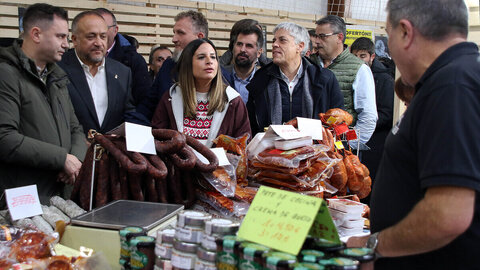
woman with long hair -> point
(200, 104)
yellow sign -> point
(323, 226)
(353, 34)
(280, 219)
(339, 145)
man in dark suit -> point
(100, 88)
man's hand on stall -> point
(441, 216)
(70, 169)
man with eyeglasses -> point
(120, 49)
(353, 75)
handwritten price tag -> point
(279, 219)
(23, 202)
(323, 226)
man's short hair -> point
(38, 13)
(363, 44)
(200, 23)
(103, 11)
(80, 16)
(298, 32)
(247, 27)
(154, 49)
(435, 20)
(312, 33)
(336, 23)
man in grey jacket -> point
(41, 141)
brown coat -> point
(235, 122)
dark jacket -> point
(119, 81)
(384, 93)
(233, 121)
(38, 126)
(165, 78)
(126, 54)
(324, 88)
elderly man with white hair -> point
(290, 86)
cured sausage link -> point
(168, 140)
(184, 159)
(206, 152)
(119, 153)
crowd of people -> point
(424, 209)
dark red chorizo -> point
(118, 150)
(189, 188)
(84, 174)
(184, 159)
(206, 152)
(151, 192)
(160, 181)
(102, 182)
(115, 186)
(173, 184)
(124, 190)
(132, 161)
(168, 140)
(135, 184)
(85, 188)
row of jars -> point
(192, 244)
(235, 254)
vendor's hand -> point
(62, 177)
(71, 168)
(357, 241)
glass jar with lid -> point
(217, 228)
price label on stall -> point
(323, 226)
(279, 219)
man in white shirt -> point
(353, 75)
(100, 88)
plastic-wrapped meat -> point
(286, 158)
(50, 216)
(31, 245)
(245, 193)
(237, 146)
(217, 200)
(339, 177)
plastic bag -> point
(290, 158)
(32, 245)
(225, 206)
(223, 179)
(236, 146)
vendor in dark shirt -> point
(425, 213)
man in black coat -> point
(120, 49)
(100, 88)
(290, 86)
(364, 49)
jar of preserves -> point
(311, 255)
(307, 266)
(228, 251)
(340, 263)
(142, 255)
(205, 259)
(190, 226)
(251, 256)
(183, 255)
(126, 234)
(217, 228)
(365, 256)
(276, 260)
(164, 244)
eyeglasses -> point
(323, 36)
(110, 26)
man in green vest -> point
(353, 75)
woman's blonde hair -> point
(217, 95)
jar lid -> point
(327, 246)
(221, 226)
(276, 258)
(361, 254)
(143, 241)
(165, 236)
(307, 266)
(228, 241)
(253, 250)
(184, 246)
(129, 232)
(340, 263)
(311, 255)
(209, 256)
(192, 218)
